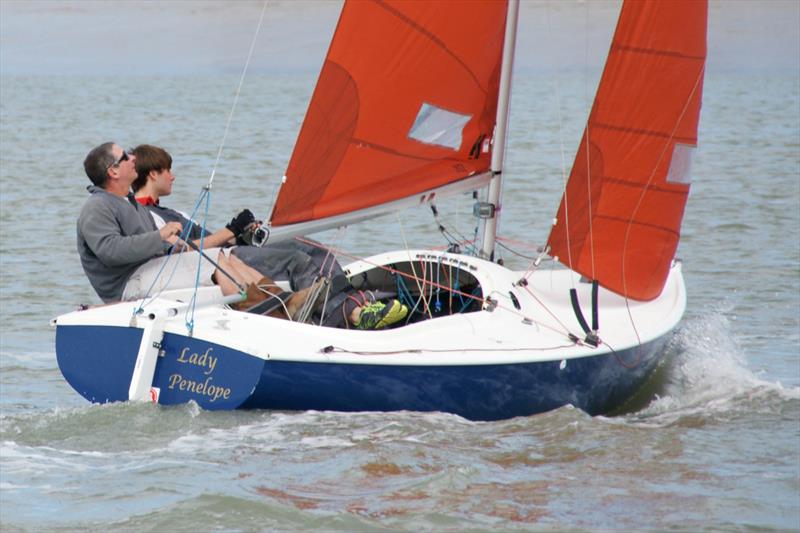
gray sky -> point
(119, 37)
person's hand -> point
(239, 223)
(170, 229)
(177, 244)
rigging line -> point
(324, 305)
(339, 349)
(455, 233)
(515, 252)
(619, 358)
(563, 159)
(184, 234)
(398, 272)
(453, 290)
(341, 233)
(411, 262)
(667, 144)
(236, 96)
(590, 214)
(521, 244)
(468, 244)
(329, 252)
(147, 299)
(543, 251)
(192, 304)
(535, 261)
(549, 312)
(449, 236)
(329, 274)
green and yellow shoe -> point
(379, 315)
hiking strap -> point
(273, 302)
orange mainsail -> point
(405, 103)
(619, 219)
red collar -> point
(146, 200)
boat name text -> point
(204, 360)
(215, 392)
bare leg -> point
(238, 270)
(242, 272)
(225, 284)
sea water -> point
(715, 443)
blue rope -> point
(193, 303)
(184, 235)
(469, 302)
(457, 287)
(438, 306)
(406, 297)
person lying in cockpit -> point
(298, 263)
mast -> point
(489, 212)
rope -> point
(563, 158)
(193, 302)
(206, 192)
(460, 293)
(146, 299)
(588, 136)
(411, 262)
(667, 144)
(338, 349)
(236, 96)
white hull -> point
(538, 331)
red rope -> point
(433, 284)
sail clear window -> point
(680, 168)
(438, 126)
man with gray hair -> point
(122, 251)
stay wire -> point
(647, 185)
(207, 189)
(190, 320)
(147, 299)
(563, 157)
(236, 96)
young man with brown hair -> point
(298, 263)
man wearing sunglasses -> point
(120, 248)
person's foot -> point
(379, 315)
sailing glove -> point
(239, 223)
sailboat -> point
(411, 106)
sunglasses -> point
(123, 157)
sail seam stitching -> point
(655, 188)
(436, 40)
(367, 144)
(616, 47)
(651, 133)
(639, 223)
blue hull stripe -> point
(98, 362)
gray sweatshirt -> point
(115, 236)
